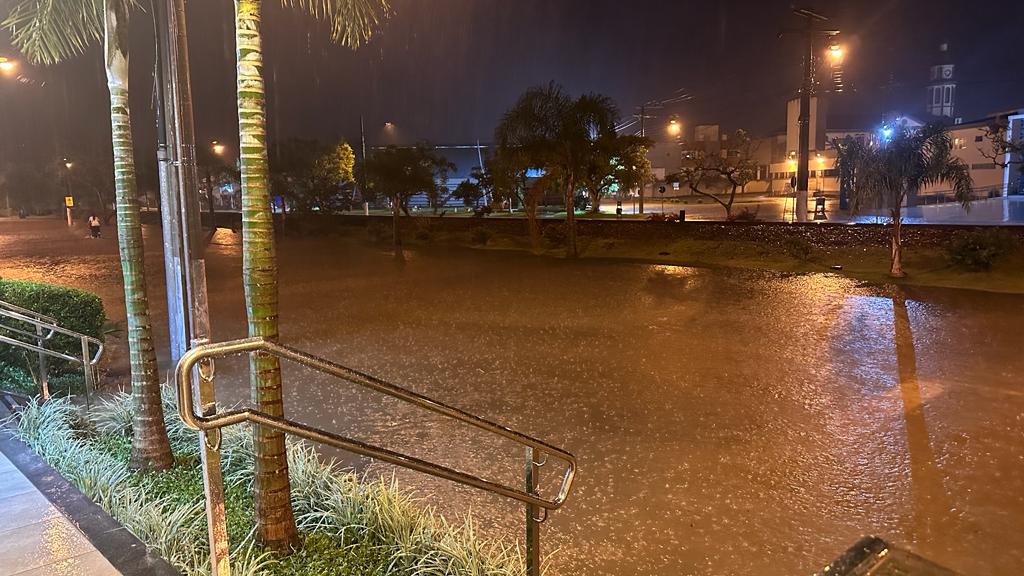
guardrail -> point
(45, 329)
(537, 452)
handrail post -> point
(44, 384)
(87, 369)
(532, 513)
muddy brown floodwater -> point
(726, 422)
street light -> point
(836, 52)
(675, 127)
(7, 65)
(68, 164)
(218, 148)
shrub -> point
(480, 236)
(981, 249)
(554, 234)
(348, 525)
(745, 215)
(74, 309)
(797, 247)
(376, 231)
(424, 230)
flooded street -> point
(725, 422)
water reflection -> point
(931, 504)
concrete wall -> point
(768, 233)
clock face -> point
(947, 72)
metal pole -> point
(803, 156)
(43, 380)
(169, 209)
(87, 369)
(532, 516)
(194, 302)
(643, 134)
(362, 175)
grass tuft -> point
(349, 525)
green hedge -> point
(74, 309)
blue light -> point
(886, 132)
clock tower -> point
(942, 86)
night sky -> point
(445, 70)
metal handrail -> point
(49, 325)
(186, 409)
(57, 329)
(198, 362)
(27, 312)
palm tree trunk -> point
(150, 448)
(897, 245)
(274, 517)
(570, 216)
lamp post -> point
(67, 188)
(218, 151)
(810, 33)
(7, 65)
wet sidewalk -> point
(48, 527)
(36, 538)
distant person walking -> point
(94, 226)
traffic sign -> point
(69, 201)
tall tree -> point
(1006, 150)
(883, 177)
(51, 31)
(720, 174)
(549, 130)
(313, 176)
(351, 22)
(617, 162)
(401, 173)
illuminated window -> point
(959, 143)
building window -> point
(947, 95)
(978, 138)
(959, 143)
(935, 95)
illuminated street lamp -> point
(7, 65)
(68, 164)
(675, 127)
(836, 52)
(217, 148)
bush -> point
(554, 234)
(981, 249)
(348, 525)
(376, 231)
(797, 247)
(480, 236)
(74, 309)
(745, 215)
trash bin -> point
(819, 208)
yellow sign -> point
(69, 201)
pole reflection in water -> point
(932, 518)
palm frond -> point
(51, 31)
(352, 22)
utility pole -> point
(362, 173)
(809, 33)
(643, 134)
(183, 247)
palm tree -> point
(548, 129)
(50, 31)
(884, 176)
(352, 22)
